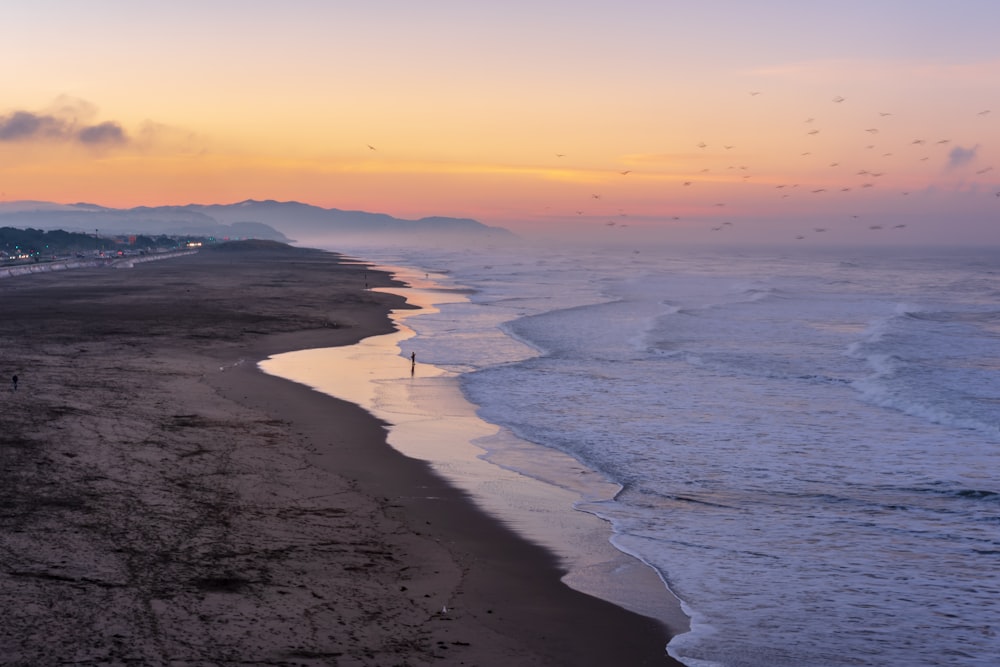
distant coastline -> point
(287, 221)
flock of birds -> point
(864, 178)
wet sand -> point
(165, 502)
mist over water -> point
(808, 443)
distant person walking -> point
(413, 362)
(13, 383)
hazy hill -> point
(272, 220)
(305, 222)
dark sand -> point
(164, 502)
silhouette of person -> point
(413, 362)
(13, 383)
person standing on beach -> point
(413, 362)
(13, 383)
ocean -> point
(806, 441)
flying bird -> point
(626, 172)
(838, 99)
(371, 147)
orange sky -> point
(547, 115)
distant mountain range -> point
(273, 220)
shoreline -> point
(539, 492)
(169, 503)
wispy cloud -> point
(108, 132)
(62, 124)
(26, 125)
(959, 157)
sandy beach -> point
(165, 502)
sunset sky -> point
(754, 119)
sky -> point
(819, 122)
